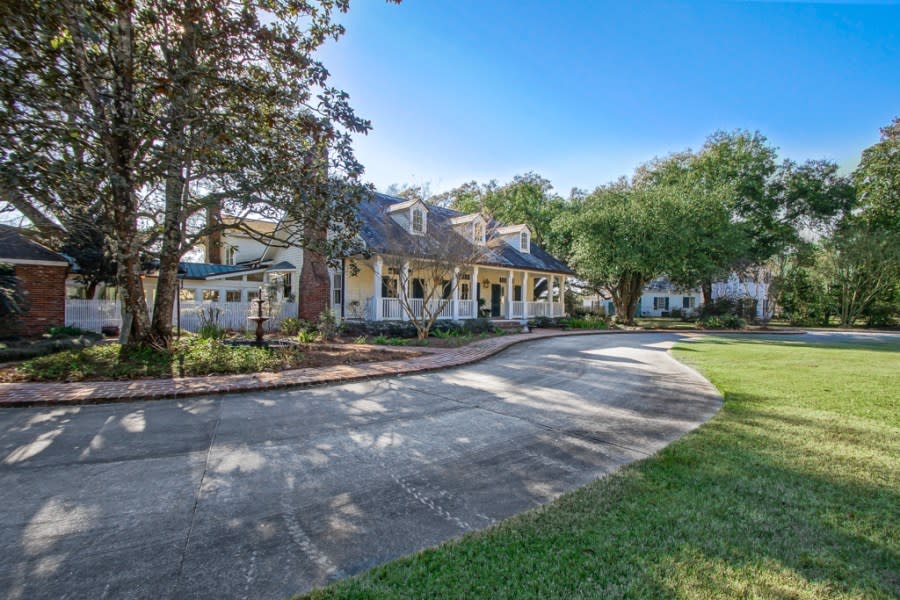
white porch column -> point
(404, 291)
(454, 283)
(509, 294)
(550, 284)
(376, 297)
(525, 295)
(475, 291)
(562, 295)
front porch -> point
(379, 292)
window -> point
(255, 277)
(517, 293)
(336, 288)
(661, 303)
(232, 295)
(464, 293)
(418, 220)
(523, 242)
(478, 233)
(286, 284)
(230, 251)
(465, 277)
(210, 295)
(188, 295)
(688, 302)
(389, 287)
(252, 295)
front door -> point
(496, 296)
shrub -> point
(722, 322)
(360, 340)
(544, 322)
(58, 331)
(293, 326)
(327, 325)
(588, 322)
(213, 356)
(375, 328)
(209, 323)
(45, 346)
(478, 326)
(307, 336)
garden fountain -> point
(258, 318)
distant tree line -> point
(830, 241)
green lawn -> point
(791, 491)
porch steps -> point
(508, 325)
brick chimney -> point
(214, 239)
(315, 286)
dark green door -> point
(496, 295)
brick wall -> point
(45, 292)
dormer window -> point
(418, 220)
(524, 244)
(478, 233)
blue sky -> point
(582, 92)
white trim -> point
(37, 263)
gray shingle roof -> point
(385, 236)
(16, 246)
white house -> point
(661, 298)
(511, 277)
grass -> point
(791, 491)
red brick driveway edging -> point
(96, 392)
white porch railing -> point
(544, 309)
(93, 315)
(466, 309)
(390, 309)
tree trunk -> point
(177, 175)
(706, 289)
(626, 295)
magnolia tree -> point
(160, 115)
(429, 271)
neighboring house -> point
(660, 297)
(753, 286)
(42, 274)
(513, 277)
(249, 264)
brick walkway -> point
(91, 392)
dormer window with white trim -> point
(417, 222)
(524, 242)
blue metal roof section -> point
(281, 266)
(384, 235)
(190, 270)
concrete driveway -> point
(270, 494)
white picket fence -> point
(93, 315)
